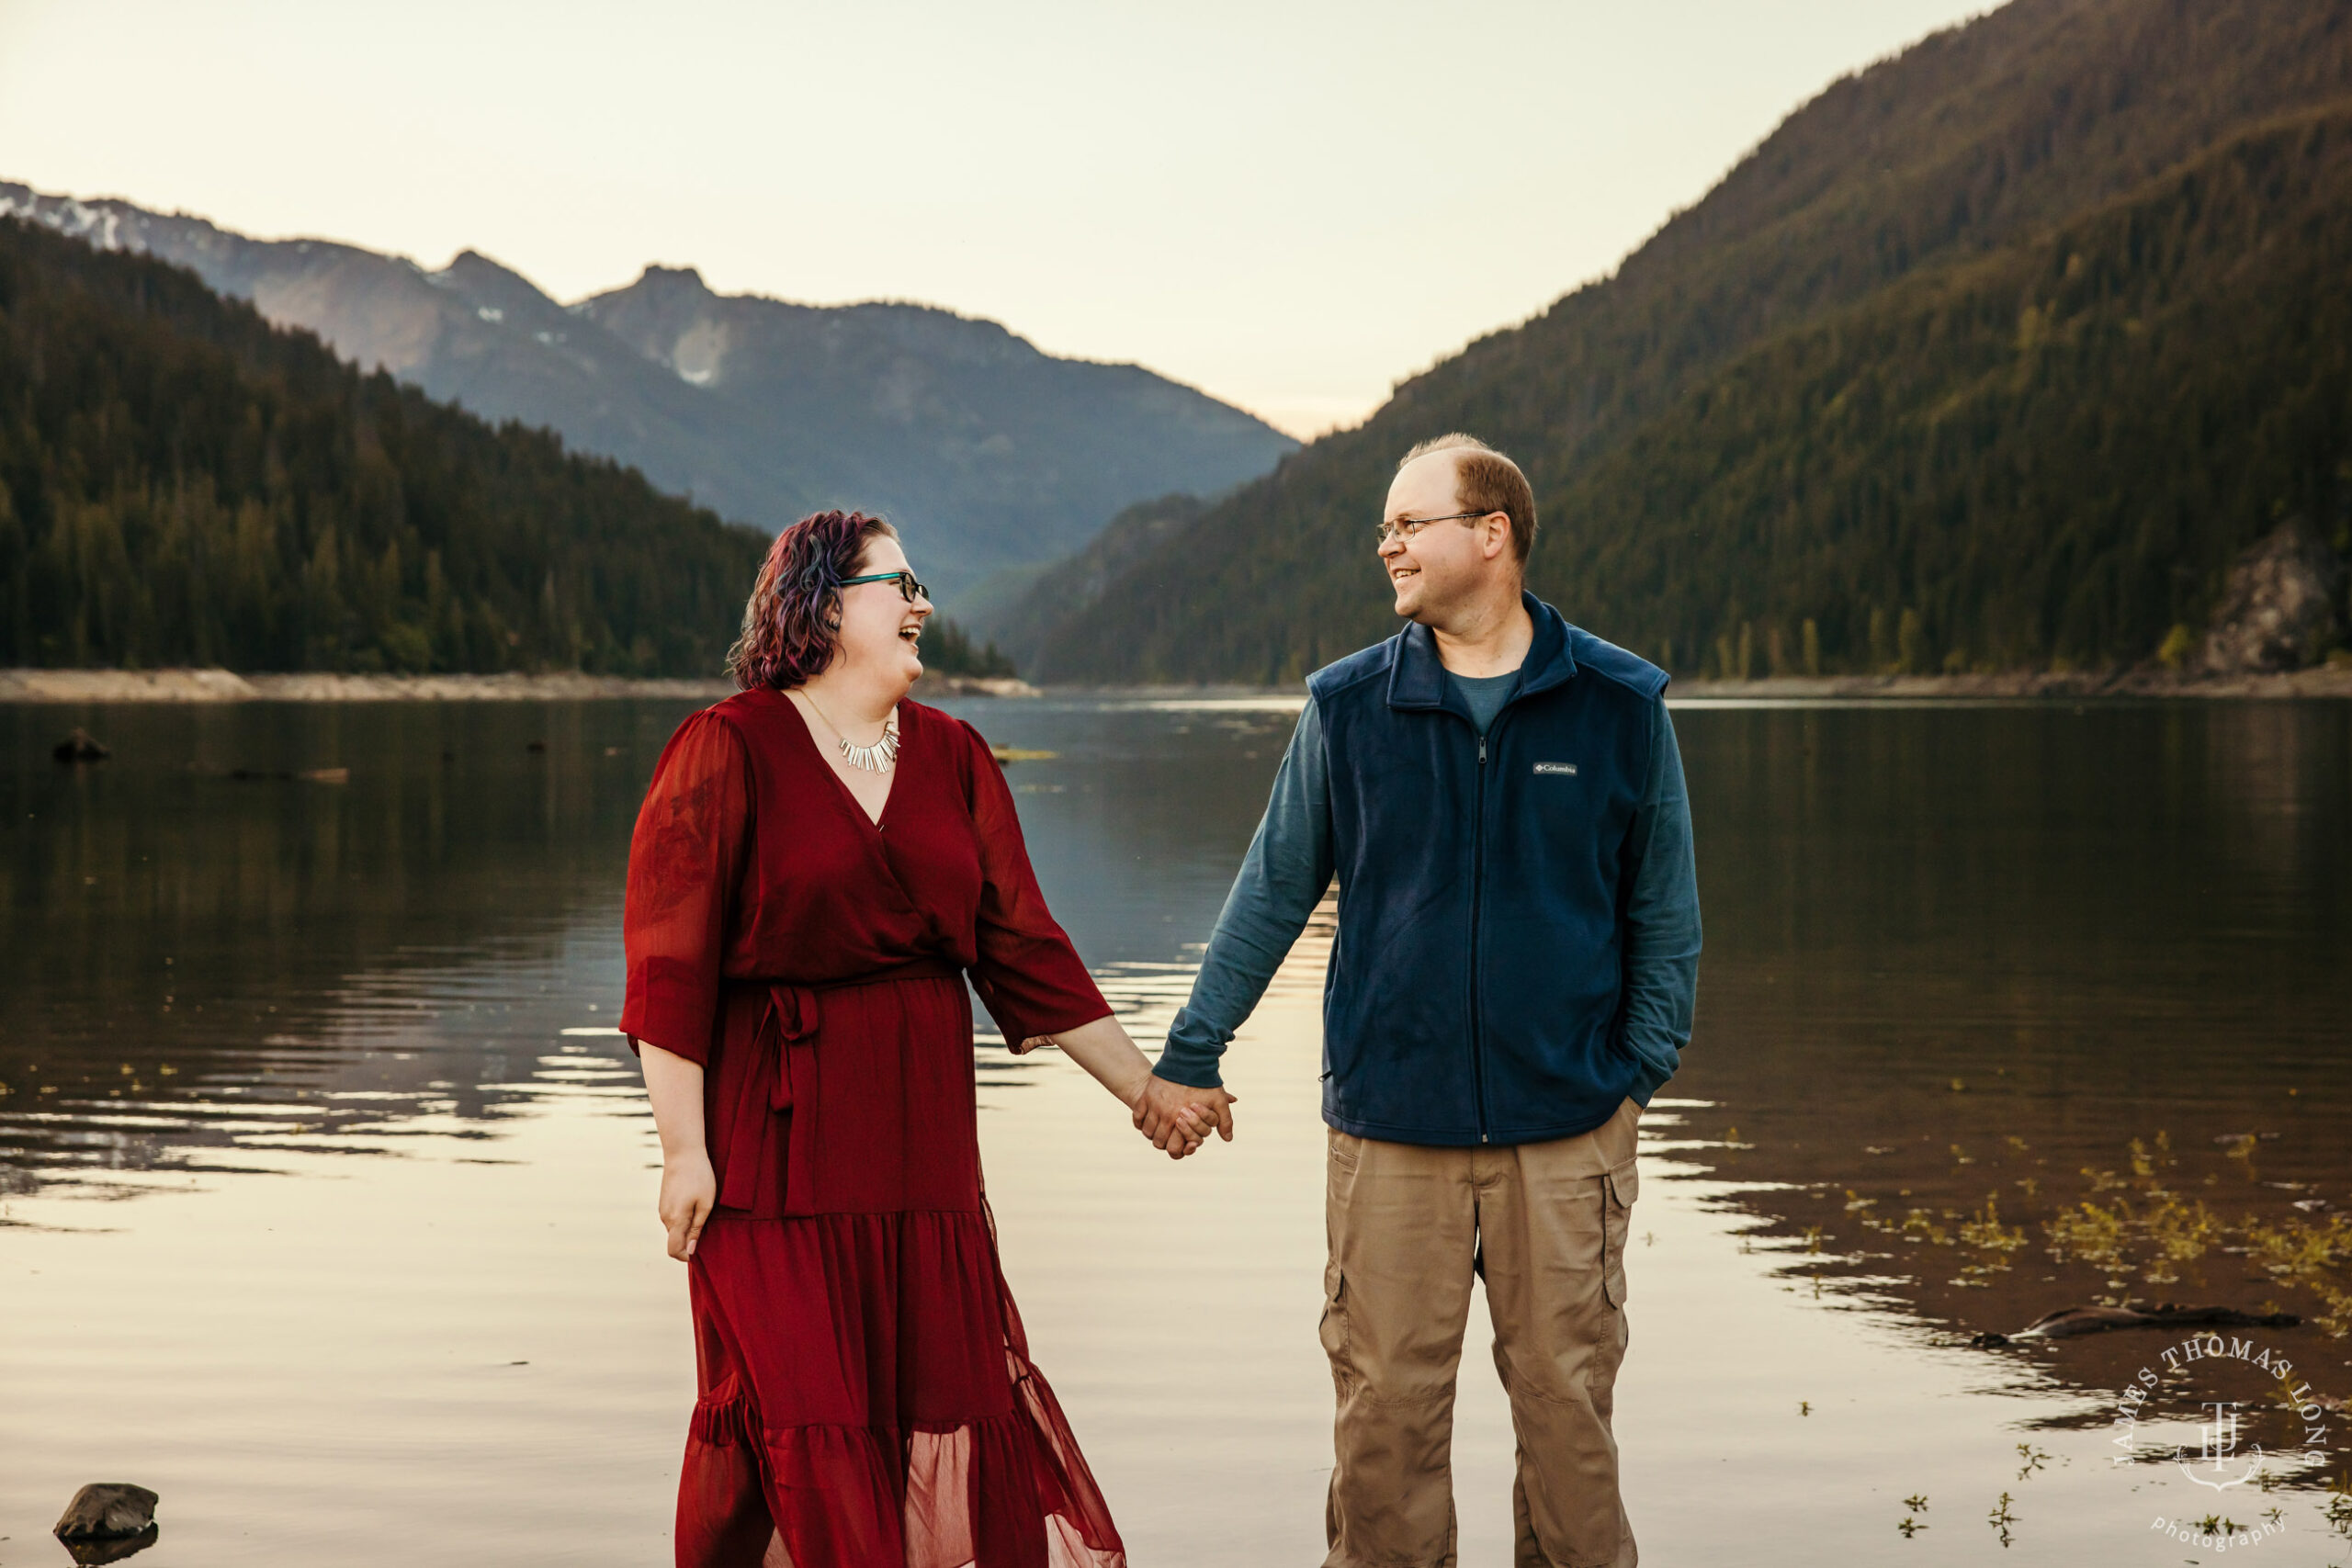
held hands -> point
(1176, 1119)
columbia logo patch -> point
(1567, 768)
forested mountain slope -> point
(1080, 579)
(183, 483)
(2046, 457)
(986, 452)
(1846, 290)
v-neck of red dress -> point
(857, 807)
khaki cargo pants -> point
(1545, 1226)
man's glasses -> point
(1409, 526)
(908, 589)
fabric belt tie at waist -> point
(792, 1020)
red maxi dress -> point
(866, 1398)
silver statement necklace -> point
(878, 758)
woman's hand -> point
(689, 1189)
(689, 1192)
(1103, 1049)
(1166, 1112)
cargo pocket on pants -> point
(1619, 1188)
(1333, 1329)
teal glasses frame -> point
(908, 589)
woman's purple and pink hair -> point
(795, 613)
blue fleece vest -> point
(1473, 992)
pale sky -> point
(1289, 204)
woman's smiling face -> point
(879, 629)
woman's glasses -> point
(908, 589)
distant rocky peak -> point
(673, 281)
(674, 295)
(474, 268)
(491, 285)
(670, 316)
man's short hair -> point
(1484, 480)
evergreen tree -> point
(182, 483)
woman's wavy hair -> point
(794, 616)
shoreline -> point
(71, 686)
(62, 687)
(2321, 681)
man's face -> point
(1444, 563)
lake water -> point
(326, 1193)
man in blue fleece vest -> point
(1500, 796)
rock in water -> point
(105, 1510)
(80, 747)
(2278, 610)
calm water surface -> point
(326, 1191)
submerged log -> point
(2069, 1322)
(106, 1510)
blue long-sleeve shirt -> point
(1290, 865)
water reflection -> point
(1958, 960)
(198, 964)
(113, 1549)
(203, 969)
(1955, 957)
(1969, 971)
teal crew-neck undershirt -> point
(1485, 693)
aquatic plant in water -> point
(2001, 1518)
(2154, 1231)
(1986, 1230)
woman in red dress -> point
(817, 867)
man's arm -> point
(1661, 937)
(1281, 882)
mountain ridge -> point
(952, 425)
(182, 483)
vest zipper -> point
(1477, 901)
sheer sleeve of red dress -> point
(1027, 973)
(684, 864)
